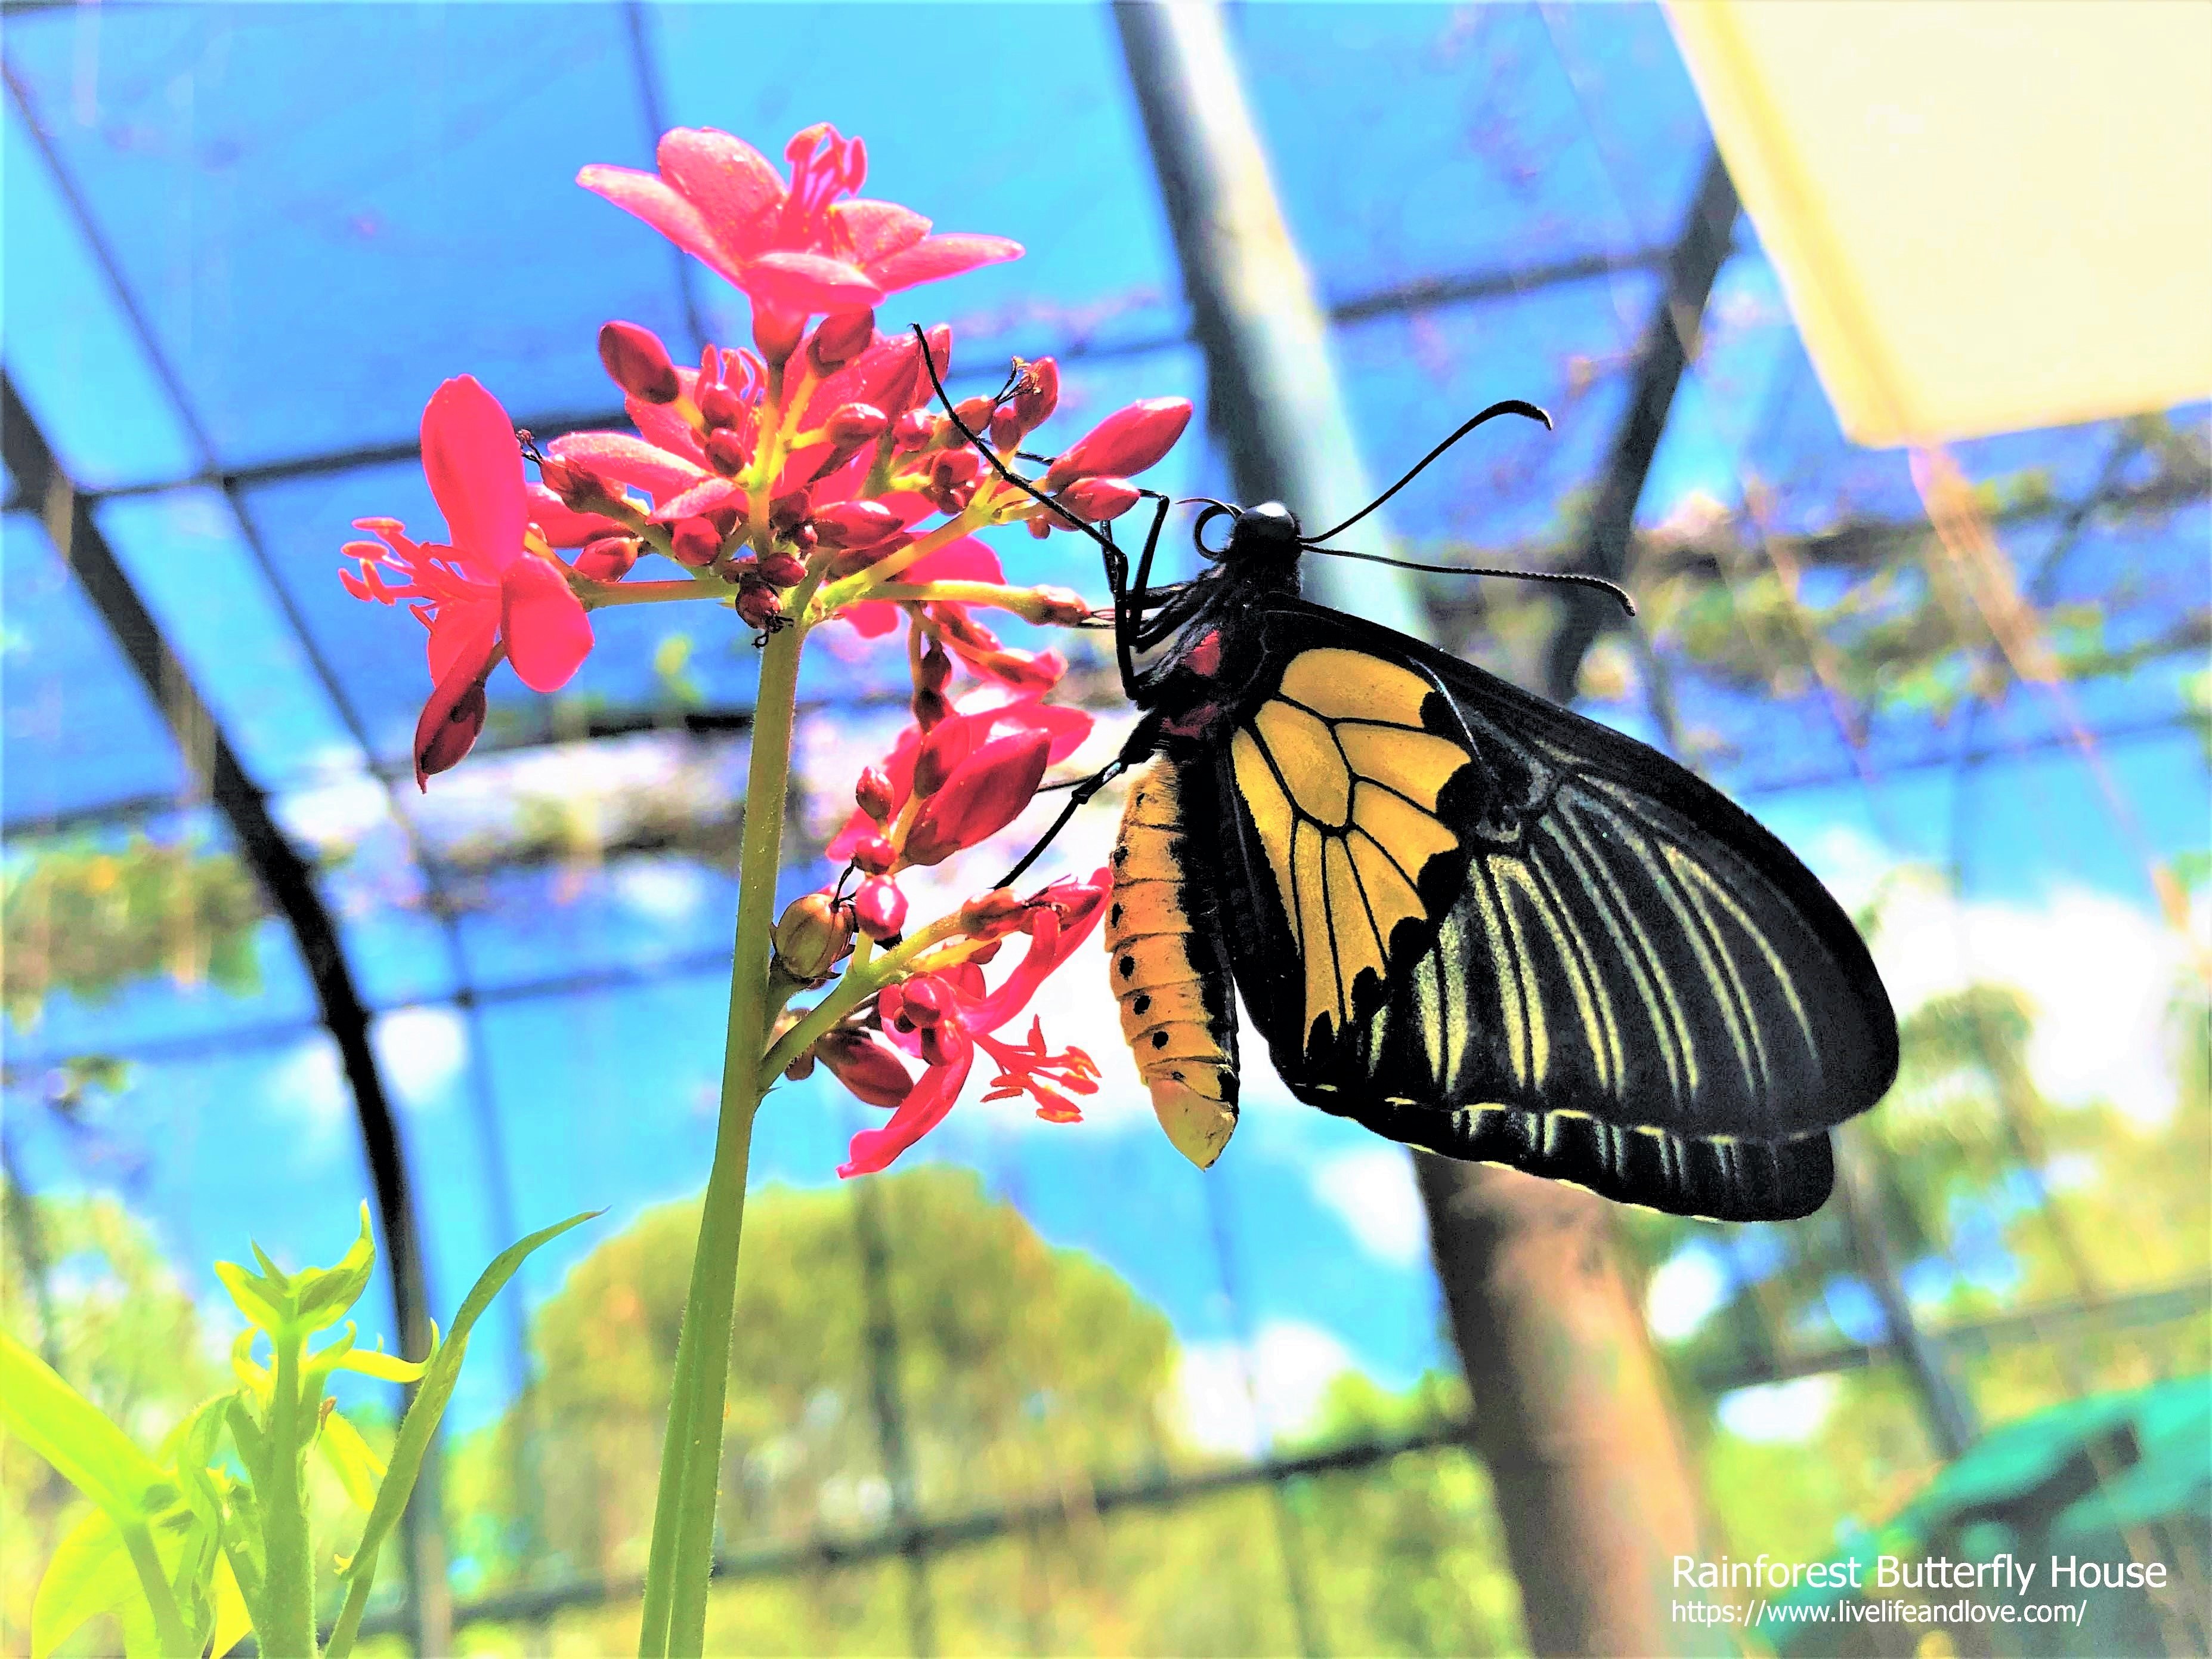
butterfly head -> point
(1262, 540)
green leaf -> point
(260, 1302)
(68, 1431)
(422, 1421)
(357, 1467)
(322, 1295)
(248, 1435)
(90, 1574)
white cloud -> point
(420, 1051)
(662, 889)
(305, 1094)
(1688, 1286)
(1373, 1189)
(1790, 1411)
(2099, 972)
(1234, 1398)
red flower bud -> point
(976, 414)
(720, 407)
(949, 743)
(984, 794)
(1099, 499)
(776, 333)
(934, 673)
(923, 1001)
(725, 452)
(875, 856)
(638, 362)
(879, 908)
(695, 541)
(788, 510)
(441, 748)
(1038, 394)
(607, 558)
(1128, 441)
(911, 430)
(781, 570)
(905, 384)
(990, 914)
(758, 604)
(842, 338)
(857, 423)
(579, 487)
(929, 708)
(854, 524)
(946, 1043)
(865, 1065)
(724, 519)
(1061, 607)
(954, 468)
(873, 793)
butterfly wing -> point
(1481, 924)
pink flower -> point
(945, 1018)
(483, 593)
(986, 715)
(810, 248)
(1128, 441)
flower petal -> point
(807, 282)
(736, 190)
(630, 460)
(447, 726)
(474, 467)
(878, 229)
(652, 201)
(872, 1150)
(544, 623)
(561, 525)
(703, 497)
(463, 634)
(665, 430)
(941, 256)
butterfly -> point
(1457, 913)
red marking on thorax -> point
(1204, 658)
(1194, 723)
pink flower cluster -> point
(796, 480)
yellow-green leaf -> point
(321, 1294)
(358, 1469)
(90, 1574)
(251, 1371)
(253, 1295)
(68, 1431)
(232, 1623)
(388, 1368)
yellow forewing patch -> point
(1271, 812)
(1415, 764)
(1308, 759)
(1409, 835)
(1341, 685)
(1357, 949)
(1389, 895)
(1313, 928)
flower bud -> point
(1038, 394)
(725, 452)
(949, 743)
(989, 914)
(579, 487)
(638, 362)
(857, 423)
(695, 541)
(813, 935)
(607, 558)
(976, 414)
(923, 1001)
(759, 605)
(934, 671)
(911, 430)
(984, 794)
(865, 1065)
(1099, 499)
(776, 333)
(1128, 441)
(720, 407)
(905, 384)
(781, 570)
(879, 908)
(854, 524)
(873, 793)
(724, 519)
(439, 748)
(929, 708)
(842, 338)
(946, 1043)
(854, 560)
(1060, 607)
(875, 856)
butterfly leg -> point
(1142, 741)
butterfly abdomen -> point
(1177, 1013)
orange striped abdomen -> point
(1177, 1012)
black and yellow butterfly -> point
(1464, 917)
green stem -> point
(862, 979)
(683, 1520)
(168, 1623)
(290, 1591)
(601, 595)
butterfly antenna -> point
(1571, 578)
(1510, 406)
(990, 456)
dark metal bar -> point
(1670, 341)
(284, 875)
